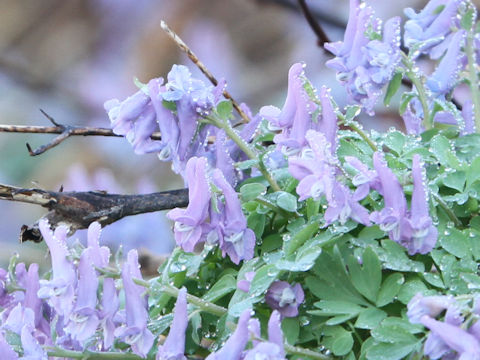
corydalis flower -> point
(363, 65)
(188, 222)
(432, 306)
(235, 239)
(273, 349)
(430, 30)
(342, 205)
(59, 291)
(314, 168)
(174, 346)
(135, 332)
(285, 298)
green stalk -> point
(90, 355)
(232, 134)
(294, 350)
(352, 125)
(422, 93)
(473, 78)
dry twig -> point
(79, 209)
(191, 55)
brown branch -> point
(322, 37)
(191, 55)
(79, 209)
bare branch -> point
(79, 209)
(314, 24)
(191, 55)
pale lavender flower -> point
(236, 240)
(430, 30)
(188, 229)
(244, 284)
(99, 255)
(419, 235)
(364, 179)
(6, 350)
(273, 348)
(468, 118)
(174, 346)
(5, 297)
(413, 122)
(135, 332)
(454, 337)
(314, 168)
(31, 348)
(365, 66)
(432, 306)
(59, 291)
(390, 217)
(328, 125)
(445, 75)
(233, 348)
(83, 321)
(18, 318)
(110, 305)
(342, 205)
(285, 298)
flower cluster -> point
(227, 225)
(366, 60)
(453, 337)
(69, 301)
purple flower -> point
(343, 205)
(59, 291)
(285, 298)
(454, 337)
(174, 346)
(390, 217)
(445, 75)
(430, 31)
(314, 168)
(135, 332)
(31, 348)
(468, 118)
(236, 240)
(110, 304)
(84, 319)
(18, 318)
(365, 179)
(100, 256)
(432, 306)
(188, 229)
(273, 348)
(233, 348)
(413, 122)
(419, 235)
(244, 284)
(365, 66)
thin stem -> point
(90, 355)
(422, 93)
(353, 125)
(447, 210)
(473, 78)
(232, 134)
(294, 350)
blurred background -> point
(69, 57)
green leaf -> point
(222, 287)
(473, 171)
(406, 98)
(395, 258)
(392, 334)
(367, 277)
(393, 87)
(352, 111)
(468, 19)
(370, 318)
(403, 323)
(291, 330)
(286, 201)
(338, 340)
(332, 307)
(256, 222)
(293, 241)
(396, 351)
(410, 289)
(251, 191)
(455, 242)
(395, 140)
(264, 276)
(225, 109)
(196, 322)
(434, 279)
(441, 147)
(390, 288)
(455, 180)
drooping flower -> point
(430, 30)
(174, 346)
(235, 239)
(60, 290)
(314, 168)
(233, 348)
(342, 205)
(110, 305)
(445, 75)
(364, 66)
(31, 348)
(468, 118)
(364, 179)
(135, 332)
(188, 222)
(390, 217)
(84, 320)
(419, 235)
(432, 306)
(285, 298)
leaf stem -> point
(422, 93)
(90, 355)
(473, 78)
(447, 210)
